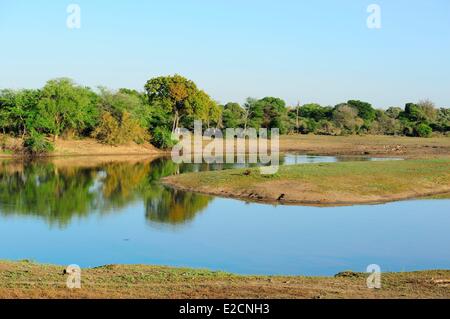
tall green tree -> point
(232, 115)
(174, 94)
(18, 111)
(203, 108)
(274, 113)
(66, 107)
(124, 100)
(365, 111)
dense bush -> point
(423, 130)
(162, 138)
(124, 130)
(37, 145)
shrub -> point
(162, 138)
(131, 130)
(111, 132)
(423, 130)
(37, 145)
(107, 130)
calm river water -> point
(79, 212)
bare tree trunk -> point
(175, 122)
(246, 120)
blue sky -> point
(312, 51)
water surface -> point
(118, 212)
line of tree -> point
(64, 108)
(353, 117)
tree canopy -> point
(62, 107)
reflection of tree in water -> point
(165, 205)
(174, 207)
(42, 190)
(59, 194)
(123, 183)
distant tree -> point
(174, 94)
(269, 112)
(308, 125)
(412, 113)
(253, 114)
(394, 112)
(365, 111)
(274, 113)
(326, 127)
(124, 100)
(418, 119)
(293, 119)
(442, 123)
(428, 110)
(18, 111)
(316, 112)
(346, 118)
(423, 130)
(203, 108)
(65, 106)
(112, 131)
(385, 124)
(232, 115)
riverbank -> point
(30, 280)
(373, 145)
(83, 147)
(344, 183)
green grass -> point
(330, 182)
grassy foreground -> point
(328, 183)
(30, 280)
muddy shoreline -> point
(253, 198)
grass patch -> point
(327, 183)
(30, 280)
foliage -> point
(131, 102)
(162, 138)
(65, 106)
(124, 130)
(202, 108)
(174, 94)
(346, 118)
(269, 112)
(37, 145)
(232, 115)
(423, 130)
(18, 111)
(365, 110)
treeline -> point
(352, 117)
(64, 108)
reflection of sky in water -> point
(292, 159)
(224, 234)
(247, 238)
